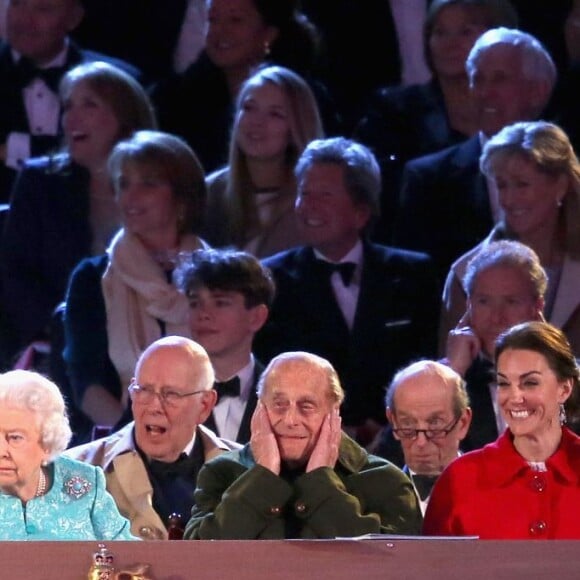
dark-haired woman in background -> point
(119, 303)
(63, 206)
(199, 104)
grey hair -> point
(335, 390)
(361, 170)
(537, 64)
(431, 370)
(30, 391)
(511, 254)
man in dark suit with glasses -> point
(428, 410)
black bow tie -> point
(27, 71)
(345, 269)
(229, 388)
(424, 484)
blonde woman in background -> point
(251, 200)
(537, 176)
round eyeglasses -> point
(167, 397)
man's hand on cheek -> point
(463, 345)
(325, 452)
(263, 441)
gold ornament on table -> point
(103, 568)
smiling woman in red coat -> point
(526, 484)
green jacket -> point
(238, 499)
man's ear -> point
(539, 95)
(259, 316)
(363, 215)
(391, 420)
(272, 34)
(76, 15)
(464, 423)
(208, 401)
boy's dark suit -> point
(403, 123)
(444, 207)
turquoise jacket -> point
(76, 507)
(238, 499)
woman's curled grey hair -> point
(30, 391)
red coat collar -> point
(504, 463)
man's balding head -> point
(179, 373)
(428, 396)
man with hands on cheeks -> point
(269, 446)
(505, 285)
(300, 476)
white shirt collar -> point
(355, 254)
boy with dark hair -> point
(229, 294)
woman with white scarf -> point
(119, 303)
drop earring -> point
(562, 414)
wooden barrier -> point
(417, 559)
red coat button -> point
(538, 528)
(538, 483)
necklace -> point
(41, 487)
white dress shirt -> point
(228, 413)
(347, 296)
(43, 111)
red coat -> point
(494, 494)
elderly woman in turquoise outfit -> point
(43, 495)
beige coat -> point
(127, 479)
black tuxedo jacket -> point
(244, 432)
(483, 428)
(444, 207)
(353, 34)
(395, 321)
(46, 234)
(12, 109)
(403, 123)
(142, 32)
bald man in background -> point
(428, 409)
